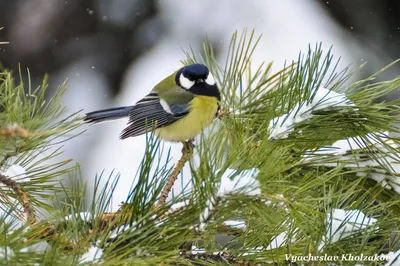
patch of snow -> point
(281, 127)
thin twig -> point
(171, 212)
(186, 152)
(123, 214)
(23, 198)
(51, 231)
(216, 257)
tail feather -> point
(107, 114)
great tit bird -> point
(178, 108)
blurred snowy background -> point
(114, 52)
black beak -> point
(199, 81)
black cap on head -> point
(197, 79)
(191, 74)
(195, 71)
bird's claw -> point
(188, 146)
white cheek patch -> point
(165, 106)
(185, 82)
(210, 80)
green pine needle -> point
(300, 185)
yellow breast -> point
(203, 111)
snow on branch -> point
(280, 127)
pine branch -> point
(22, 196)
(14, 131)
(299, 162)
(187, 151)
(219, 257)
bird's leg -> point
(188, 146)
(187, 151)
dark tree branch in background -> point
(99, 33)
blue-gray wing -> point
(152, 112)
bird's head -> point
(197, 79)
